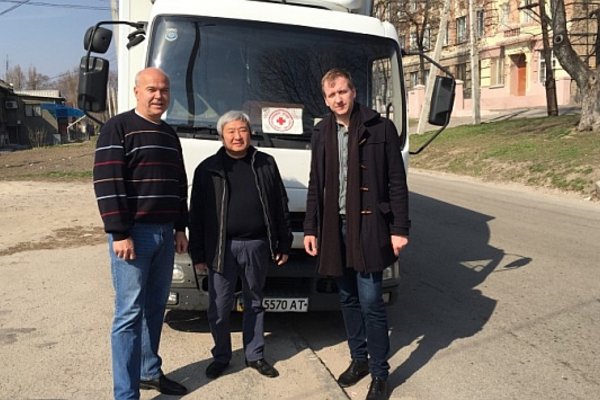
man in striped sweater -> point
(141, 189)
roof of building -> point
(6, 86)
(50, 93)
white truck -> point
(265, 58)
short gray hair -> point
(229, 116)
(147, 70)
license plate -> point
(272, 304)
(279, 304)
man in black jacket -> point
(239, 222)
(357, 220)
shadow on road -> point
(439, 300)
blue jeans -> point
(248, 259)
(141, 292)
(365, 317)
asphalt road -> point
(500, 299)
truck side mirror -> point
(93, 80)
(442, 101)
(99, 42)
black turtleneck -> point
(245, 218)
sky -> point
(48, 34)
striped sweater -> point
(139, 175)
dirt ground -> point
(39, 215)
(47, 199)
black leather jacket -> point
(208, 208)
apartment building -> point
(508, 41)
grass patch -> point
(544, 152)
(66, 162)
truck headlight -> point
(178, 275)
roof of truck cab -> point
(275, 13)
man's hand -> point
(281, 259)
(200, 267)
(181, 242)
(399, 243)
(124, 249)
(310, 245)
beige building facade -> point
(509, 45)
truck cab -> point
(265, 58)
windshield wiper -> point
(265, 138)
(282, 141)
(197, 132)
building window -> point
(427, 38)
(480, 24)
(402, 41)
(33, 110)
(447, 36)
(414, 79)
(497, 71)
(412, 5)
(504, 14)
(413, 41)
(461, 29)
(542, 69)
(461, 72)
(526, 13)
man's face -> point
(152, 94)
(339, 97)
(236, 138)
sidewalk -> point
(513, 113)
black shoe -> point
(215, 369)
(263, 367)
(378, 389)
(357, 370)
(164, 385)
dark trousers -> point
(248, 259)
(365, 317)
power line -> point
(17, 5)
(50, 5)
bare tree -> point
(586, 77)
(37, 81)
(15, 77)
(416, 20)
(67, 84)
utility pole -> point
(436, 56)
(550, 83)
(475, 81)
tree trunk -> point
(588, 80)
(590, 106)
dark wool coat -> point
(383, 192)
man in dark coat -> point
(357, 220)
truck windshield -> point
(272, 72)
